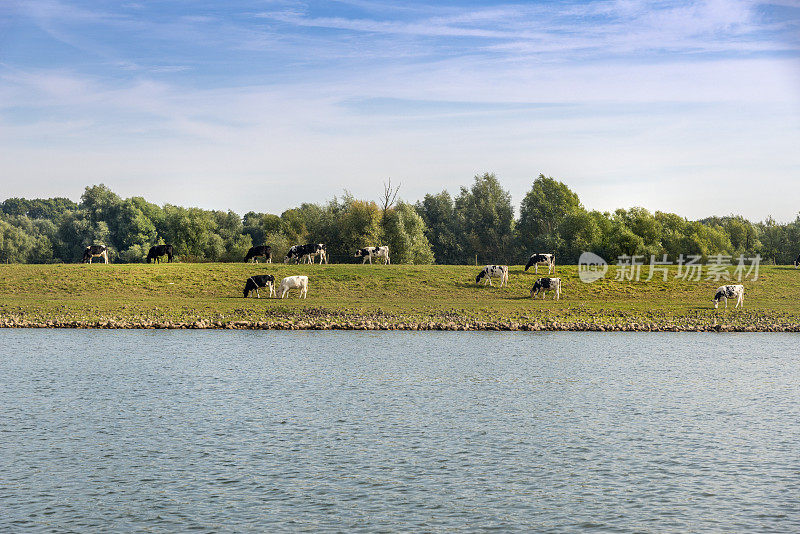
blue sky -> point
(691, 107)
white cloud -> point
(249, 148)
(670, 106)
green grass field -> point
(387, 295)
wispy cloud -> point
(603, 27)
(621, 98)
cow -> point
(797, 262)
(373, 252)
(489, 271)
(157, 251)
(294, 282)
(543, 285)
(306, 253)
(323, 253)
(296, 253)
(95, 251)
(729, 292)
(539, 259)
(260, 280)
(255, 252)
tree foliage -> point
(542, 211)
(404, 233)
(478, 222)
(485, 214)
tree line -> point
(476, 225)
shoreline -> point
(467, 326)
(395, 297)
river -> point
(318, 431)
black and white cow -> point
(260, 280)
(542, 259)
(373, 252)
(255, 252)
(297, 253)
(543, 285)
(322, 252)
(797, 261)
(95, 251)
(306, 253)
(729, 292)
(499, 271)
(157, 251)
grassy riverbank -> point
(397, 296)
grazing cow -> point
(296, 253)
(159, 250)
(306, 253)
(542, 259)
(543, 285)
(255, 252)
(489, 271)
(294, 282)
(260, 280)
(729, 292)
(797, 261)
(95, 251)
(293, 254)
(373, 252)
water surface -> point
(165, 431)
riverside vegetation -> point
(479, 223)
(436, 297)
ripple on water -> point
(385, 431)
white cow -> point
(294, 282)
(377, 252)
(729, 292)
(489, 271)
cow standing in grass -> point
(543, 285)
(157, 251)
(294, 253)
(261, 280)
(542, 259)
(368, 253)
(294, 282)
(260, 251)
(322, 251)
(95, 251)
(729, 292)
(306, 253)
(498, 271)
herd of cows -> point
(309, 252)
